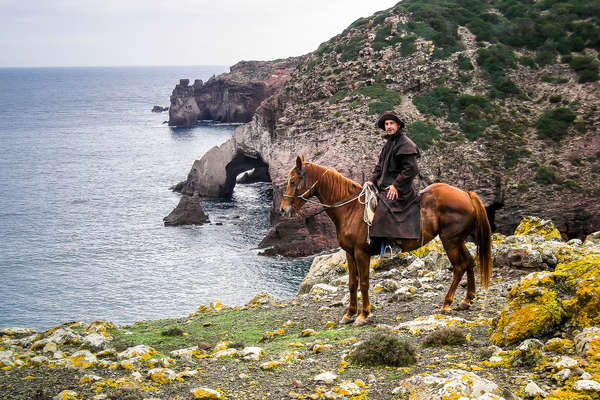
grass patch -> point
(450, 336)
(242, 328)
(381, 348)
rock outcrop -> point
(230, 97)
(187, 212)
(326, 110)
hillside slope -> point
(502, 99)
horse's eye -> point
(292, 182)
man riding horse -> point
(397, 213)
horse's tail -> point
(483, 239)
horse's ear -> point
(302, 157)
(299, 161)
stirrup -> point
(385, 246)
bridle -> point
(307, 191)
(366, 191)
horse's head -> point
(297, 191)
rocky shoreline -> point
(540, 342)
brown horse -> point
(446, 211)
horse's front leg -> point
(362, 264)
(353, 286)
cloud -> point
(160, 32)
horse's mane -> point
(332, 185)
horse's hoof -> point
(446, 310)
(463, 306)
(346, 320)
(360, 321)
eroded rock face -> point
(230, 97)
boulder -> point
(542, 301)
(587, 343)
(95, 341)
(187, 212)
(592, 239)
(528, 354)
(538, 227)
(324, 269)
(450, 383)
(135, 351)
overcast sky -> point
(169, 32)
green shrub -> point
(528, 62)
(546, 176)
(495, 58)
(450, 336)
(379, 107)
(173, 331)
(545, 57)
(422, 133)
(512, 155)
(324, 48)
(379, 41)
(555, 99)
(441, 53)
(379, 92)
(464, 63)
(439, 101)
(382, 348)
(336, 98)
(586, 68)
(407, 46)
(352, 48)
(554, 123)
(596, 169)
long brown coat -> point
(397, 166)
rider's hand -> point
(392, 192)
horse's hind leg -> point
(459, 266)
(353, 286)
(466, 256)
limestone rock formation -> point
(187, 212)
(230, 97)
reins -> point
(367, 191)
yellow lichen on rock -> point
(542, 301)
(539, 227)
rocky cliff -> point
(230, 97)
(512, 120)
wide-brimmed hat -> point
(389, 115)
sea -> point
(85, 173)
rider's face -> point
(391, 126)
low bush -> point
(378, 91)
(450, 336)
(554, 123)
(381, 348)
(422, 133)
(546, 176)
(464, 63)
(379, 107)
(586, 68)
(174, 331)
